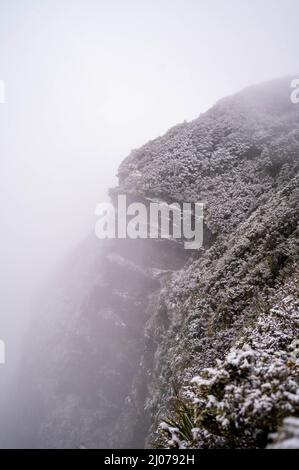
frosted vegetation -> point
(246, 395)
(223, 325)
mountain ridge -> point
(97, 383)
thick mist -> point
(86, 82)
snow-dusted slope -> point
(206, 346)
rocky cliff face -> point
(141, 343)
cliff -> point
(141, 343)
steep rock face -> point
(88, 341)
(140, 337)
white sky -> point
(87, 81)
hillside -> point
(142, 343)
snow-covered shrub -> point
(246, 396)
(287, 436)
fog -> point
(86, 82)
